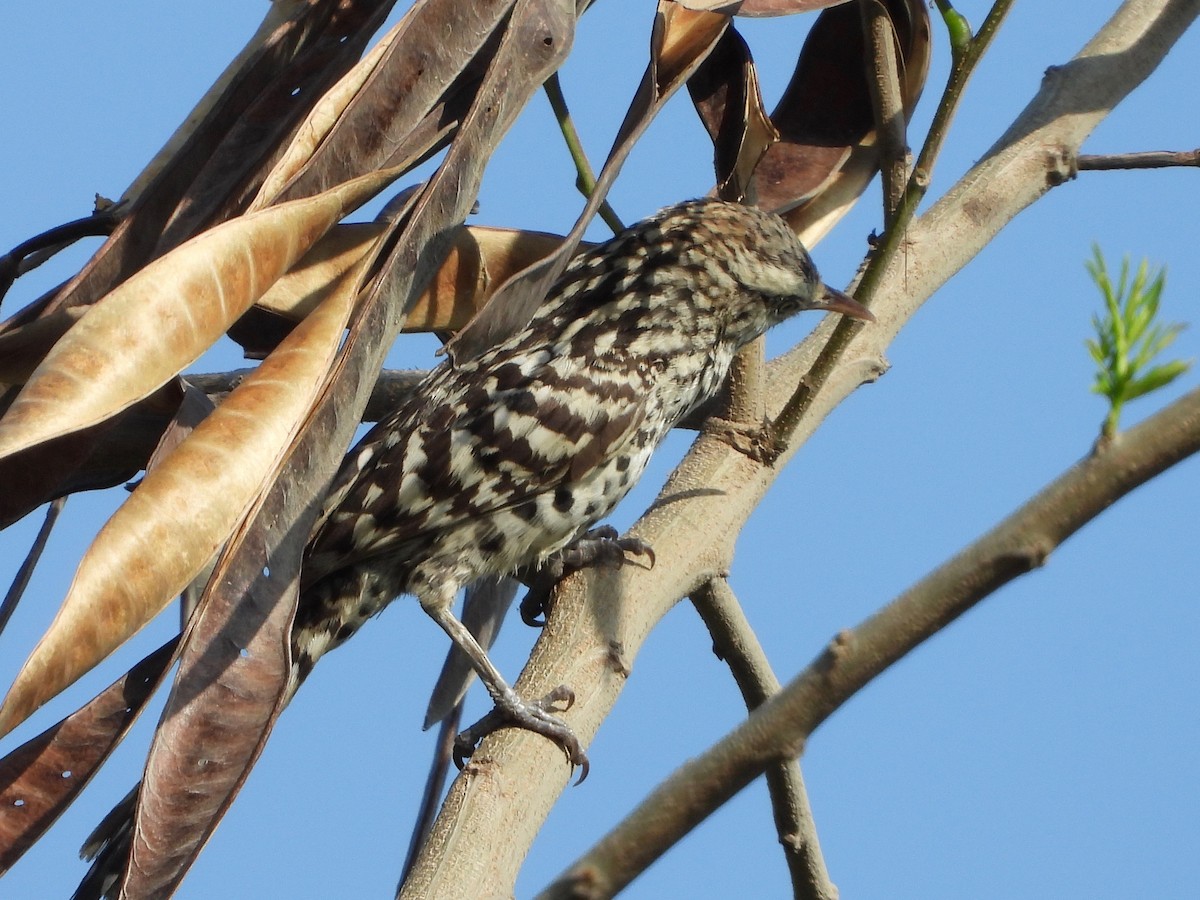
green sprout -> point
(1128, 338)
(957, 27)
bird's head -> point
(765, 256)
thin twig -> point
(25, 572)
(1153, 159)
(883, 80)
(960, 73)
(586, 178)
(392, 388)
(854, 658)
(962, 67)
(735, 642)
(31, 253)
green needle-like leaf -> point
(1128, 337)
(1159, 376)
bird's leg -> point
(600, 546)
(486, 603)
(511, 710)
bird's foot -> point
(600, 546)
(513, 712)
(758, 441)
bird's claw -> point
(512, 712)
(600, 546)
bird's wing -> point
(434, 466)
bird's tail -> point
(327, 614)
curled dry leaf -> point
(480, 260)
(277, 13)
(32, 477)
(24, 347)
(185, 508)
(726, 93)
(228, 178)
(224, 703)
(319, 123)
(194, 408)
(101, 456)
(828, 154)
(433, 58)
(165, 316)
(768, 8)
(682, 39)
(320, 270)
(41, 778)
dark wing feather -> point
(434, 465)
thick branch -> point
(782, 725)
(707, 500)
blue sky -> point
(1044, 746)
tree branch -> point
(21, 580)
(392, 388)
(480, 837)
(735, 642)
(883, 79)
(852, 659)
(585, 178)
(1153, 159)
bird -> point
(499, 462)
(502, 463)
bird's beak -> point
(835, 301)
